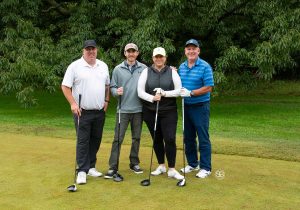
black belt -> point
(92, 110)
(196, 104)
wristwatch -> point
(192, 93)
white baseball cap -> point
(159, 51)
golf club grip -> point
(120, 104)
(79, 103)
(182, 104)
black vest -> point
(160, 79)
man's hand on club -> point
(120, 91)
(75, 109)
(185, 92)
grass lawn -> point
(255, 139)
(264, 123)
(36, 172)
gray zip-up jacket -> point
(123, 77)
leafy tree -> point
(245, 41)
(27, 52)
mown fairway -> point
(35, 172)
(255, 142)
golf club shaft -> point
(119, 127)
(183, 137)
(78, 121)
(154, 137)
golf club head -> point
(72, 188)
(181, 183)
(118, 178)
(145, 182)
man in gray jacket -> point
(123, 85)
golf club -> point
(117, 177)
(73, 188)
(147, 182)
(182, 182)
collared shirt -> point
(197, 76)
(89, 81)
(131, 67)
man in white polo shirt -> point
(88, 77)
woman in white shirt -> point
(160, 84)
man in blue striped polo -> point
(197, 82)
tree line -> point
(245, 41)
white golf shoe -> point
(189, 169)
(94, 173)
(175, 174)
(203, 173)
(159, 170)
(81, 178)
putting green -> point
(35, 172)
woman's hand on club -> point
(157, 97)
(160, 91)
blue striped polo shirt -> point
(196, 77)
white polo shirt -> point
(89, 81)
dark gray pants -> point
(135, 120)
(88, 138)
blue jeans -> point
(196, 122)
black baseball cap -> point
(89, 43)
